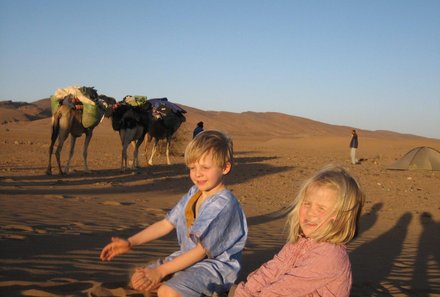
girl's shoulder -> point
(337, 248)
(324, 249)
(330, 252)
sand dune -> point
(53, 227)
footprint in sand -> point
(154, 211)
(59, 196)
(13, 236)
(117, 203)
(18, 227)
(36, 292)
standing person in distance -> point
(314, 262)
(198, 129)
(210, 225)
(353, 146)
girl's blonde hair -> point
(212, 141)
(350, 200)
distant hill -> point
(22, 111)
(249, 124)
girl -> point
(314, 262)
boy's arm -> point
(154, 276)
(183, 261)
(152, 232)
(120, 246)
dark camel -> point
(132, 124)
(164, 124)
(68, 120)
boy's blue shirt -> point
(220, 227)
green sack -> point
(55, 103)
(135, 100)
(91, 115)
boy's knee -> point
(165, 291)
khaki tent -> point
(418, 158)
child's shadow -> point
(373, 262)
(369, 219)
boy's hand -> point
(141, 282)
(154, 276)
(117, 247)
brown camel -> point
(67, 119)
(132, 124)
(165, 121)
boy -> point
(210, 224)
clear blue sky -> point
(367, 64)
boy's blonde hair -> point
(212, 141)
(350, 200)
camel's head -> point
(107, 103)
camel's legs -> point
(123, 135)
(64, 129)
(135, 153)
(168, 150)
(49, 166)
(126, 138)
(137, 145)
(61, 139)
(146, 146)
(72, 149)
(153, 151)
(52, 143)
(89, 134)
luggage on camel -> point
(126, 115)
(163, 105)
(156, 103)
(83, 99)
(135, 100)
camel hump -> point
(87, 95)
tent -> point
(422, 157)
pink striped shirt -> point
(304, 268)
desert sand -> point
(52, 228)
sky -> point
(371, 65)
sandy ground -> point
(52, 228)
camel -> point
(132, 123)
(67, 120)
(166, 120)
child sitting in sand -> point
(210, 224)
(314, 262)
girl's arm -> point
(265, 275)
(120, 246)
(325, 270)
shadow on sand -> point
(385, 265)
(382, 266)
(111, 181)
